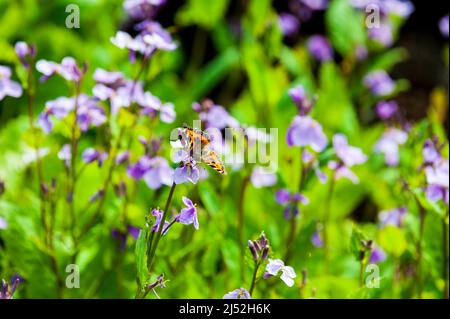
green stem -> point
(240, 224)
(255, 274)
(422, 215)
(445, 255)
(326, 217)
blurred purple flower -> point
(315, 4)
(5, 291)
(67, 69)
(380, 83)
(65, 154)
(3, 223)
(444, 26)
(154, 34)
(377, 255)
(393, 217)
(214, 116)
(24, 52)
(123, 235)
(389, 144)
(386, 109)
(400, 8)
(382, 34)
(311, 161)
(143, 9)
(304, 131)
(430, 153)
(122, 157)
(348, 156)
(437, 177)
(158, 173)
(287, 272)
(187, 172)
(7, 86)
(289, 24)
(91, 155)
(303, 103)
(138, 170)
(320, 48)
(158, 213)
(316, 239)
(290, 202)
(263, 177)
(240, 293)
(188, 215)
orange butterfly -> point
(198, 145)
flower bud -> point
(252, 248)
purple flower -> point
(393, 217)
(89, 113)
(138, 170)
(188, 215)
(123, 235)
(399, 8)
(67, 69)
(289, 24)
(263, 177)
(389, 144)
(437, 177)
(315, 4)
(311, 161)
(65, 154)
(5, 291)
(158, 213)
(3, 223)
(24, 52)
(143, 9)
(287, 272)
(348, 156)
(320, 48)
(122, 157)
(158, 173)
(187, 172)
(430, 153)
(240, 293)
(382, 34)
(290, 202)
(316, 239)
(380, 83)
(7, 86)
(377, 255)
(91, 155)
(304, 131)
(303, 103)
(386, 109)
(444, 26)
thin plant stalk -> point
(326, 218)
(255, 274)
(240, 224)
(445, 255)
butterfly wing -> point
(210, 158)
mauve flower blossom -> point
(311, 161)
(240, 293)
(320, 48)
(158, 173)
(67, 69)
(437, 177)
(317, 240)
(154, 34)
(65, 154)
(188, 215)
(158, 214)
(393, 217)
(430, 153)
(348, 156)
(315, 4)
(263, 177)
(287, 272)
(91, 155)
(3, 223)
(123, 235)
(380, 83)
(24, 52)
(400, 8)
(382, 34)
(289, 24)
(290, 201)
(151, 106)
(301, 100)
(122, 157)
(444, 26)
(7, 86)
(389, 144)
(386, 109)
(377, 255)
(5, 291)
(187, 172)
(143, 9)
(304, 131)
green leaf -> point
(357, 243)
(345, 27)
(141, 256)
(205, 13)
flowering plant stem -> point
(294, 221)
(445, 254)
(240, 223)
(255, 274)
(326, 217)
